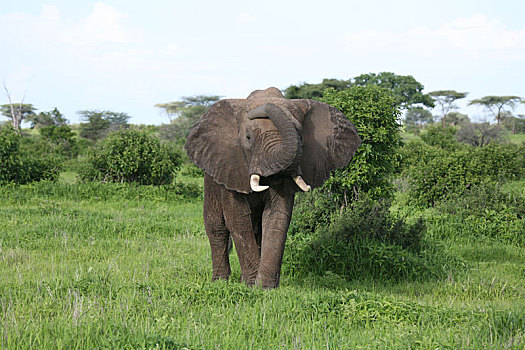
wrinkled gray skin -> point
(256, 153)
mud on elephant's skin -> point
(256, 154)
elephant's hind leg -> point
(216, 230)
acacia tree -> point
(16, 112)
(497, 104)
(183, 114)
(446, 101)
(100, 123)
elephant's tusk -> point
(302, 185)
(254, 184)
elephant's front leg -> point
(239, 220)
(275, 222)
(216, 229)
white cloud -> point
(50, 13)
(474, 37)
(103, 25)
(245, 17)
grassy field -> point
(84, 268)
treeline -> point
(103, 145)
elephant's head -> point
(240, 141)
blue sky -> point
(128, 55)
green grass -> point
(118, 267)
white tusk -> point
(302, 185)
(254, 184)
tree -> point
(418, 116)
(171, 109)
(456, 118)
(43, 119)
(497, 104)
(183, 115)
(407, 90)
(16, 112)
(446, 101)
(100, 123)
(315, 91)
(478, 134)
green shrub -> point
(62, 138)
(374, 113)
(132, 156)
(435, 173)
(441, 137)
(9, 154)
(367, 242)
(191, 170)
(19, 165)
(485, 213)
(311, 211)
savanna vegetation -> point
(418, 243)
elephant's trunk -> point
(276, 154)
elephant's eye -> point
(248, 137)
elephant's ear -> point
(213, 145)
(329, 141)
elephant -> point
(256, 153)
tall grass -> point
(130, 269)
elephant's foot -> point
(221, 274)
(267, 282)
(249, 279)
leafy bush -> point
(441, 137)
(484, 213)
(374, 113)
(435, 173)
(9, 157)
(20, 166)
(191, 170)
(132, 156)
(367, 241)
(62, 138)
(311, 211)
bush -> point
(441, 137)
(311, 211)
(486, 212)
(132, 156)
(435, 174)
(374, 113)
(9, 155)
(20, 166)
(62, 139)
(367, 241)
